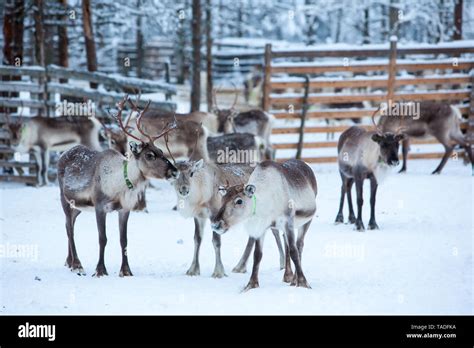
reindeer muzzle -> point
(218, 227)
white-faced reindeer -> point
(255, 121)
(365, 155)
(108, 181)
(438, 119)
(279, 196)
(43, 134)
(200, 196)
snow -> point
(368, 62)
(419, 262)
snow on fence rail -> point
(41, 89)
(441, 73)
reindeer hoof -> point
(436, 172)
(239, 269)
(288, 277)
(193, 271)
(100, 272)
(302, 283)
(218, 274)
(403, 170)
(373, 226)
(251, 285)
(125, 272)
(352, 219)
(75, 266)
(360, 226)
(339, 219)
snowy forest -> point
(344, 128)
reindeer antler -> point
(377, 127)
(118, 117)
(236, 97)
(195, 142)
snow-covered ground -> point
(420, 261)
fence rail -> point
(442, 73)
(47, 88)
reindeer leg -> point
(219, 267)
(352, 218)
(405, 148)
(276, 234)
(288, 275)
(360, 201)
(299, 279)
(448, 151)
(100, 217)
(242, 264)
(257, 257)
(123, 220)
(45, 159)
(300, 240)
(373, 193)
(340, 213)
(39, 166)
(198, 232)
(72, 260)
(467, 147)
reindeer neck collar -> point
(254, 205)
(125, 175)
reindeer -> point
(255, 121)
(187, 138)
(245, 147)
(207, 119)
(108, 181)
(437, 119)
(365, 155)
(286, 204)
(200, 196)
(43, 134)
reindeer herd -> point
(184, 149)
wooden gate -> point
(371, 73)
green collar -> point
(125, 175)
(254, 204)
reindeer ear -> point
(399, 137)
(377, 138)
(222, 190)
(249, 190)
(103, 133)
(198, 165)
(136, 148)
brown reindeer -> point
(437, 119)
(255, 121)
(365, 155)
(189, 138)
(43, 134)
(108, 181)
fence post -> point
(267, 72)
(392, 69)
(167, 78)
(304, 109)
(470, 124)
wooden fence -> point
(385, 76)
(42, 89)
